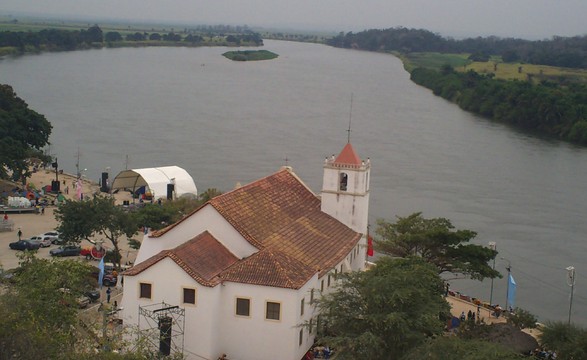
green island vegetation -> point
(250, 55)
(538, 86)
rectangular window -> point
(301, 336)
(328, 280)
(302, 307)
(312, 296)
(322, 286)
(189, 296)
(273, 311)
(335, 272)
(311, 325)
(145, 291)
(243, 307)
(341, 268)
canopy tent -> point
(155, 180)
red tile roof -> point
(281, 217)
(203, 258)
(348, 156)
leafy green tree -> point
(452, 347)
(522, 319)
(23, 133)
(435, 241)
(569, 341)
(36, 321)
(113, 36)
(384, 312)
(98, 216)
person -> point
(326, 352)
(478, 311)
(5, 217)
(115, 305)
(42, 209)
(19, 234)
(463, 316)
(469, 315)
(498, 310)
(108, 292)
(447, 289)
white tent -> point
(155, 181)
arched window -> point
(343, 181)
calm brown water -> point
(228, 122)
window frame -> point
(267, 310)
(183, 297)
(236, 307)
(150, 285)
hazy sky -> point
(533, 19)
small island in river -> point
(250, 55)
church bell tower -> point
(345, 189)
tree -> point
(435, 241)
(384, 312)
(83, 220)
(522, 319)
(113, 36)
(36, 323)
(23, 133)
(569, 341)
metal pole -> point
(571, 283)
(492, 246)
(507, 293)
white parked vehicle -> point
(45, 241)
(54, 235)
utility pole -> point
(492, 246)
(571, 283)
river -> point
(227, 122)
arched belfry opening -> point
(343, 182)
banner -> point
(511, 292)
(101, 275)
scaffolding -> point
(162, 326)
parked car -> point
(93, 295)
(67, 250)
(45, 241)
(53, 235)
(81, 301)
(25, 245)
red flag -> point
(369, 246)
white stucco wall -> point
(350, 207)
(207, 218)
(212, 326)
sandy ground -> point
(34, 224)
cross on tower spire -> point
(348, 140)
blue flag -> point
(511, 291)
(101, 275)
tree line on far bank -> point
(556, 107)
(57, 39)
(570, 52)
(549, 108)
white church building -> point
(240, 274)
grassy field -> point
(506, 71)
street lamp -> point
(571, 283)
(507, 292)
(492, 246)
